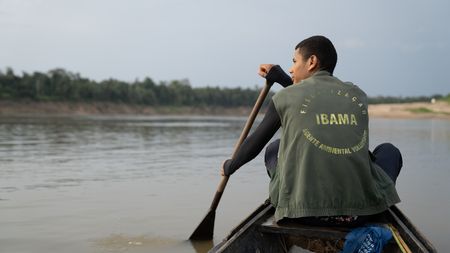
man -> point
(321, 170)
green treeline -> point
(62, 85)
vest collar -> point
(321, 73)
(317, 73)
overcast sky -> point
(399, 48)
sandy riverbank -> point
(439, 110)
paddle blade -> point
(205, 229)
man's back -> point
(324, 167)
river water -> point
(143, 184)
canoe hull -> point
(259, 233)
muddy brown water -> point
(142, 184)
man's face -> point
(300, 68)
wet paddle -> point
(205, 229)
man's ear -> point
(313, 63)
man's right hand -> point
(264, 69)
(274, 74)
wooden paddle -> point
(205, 229)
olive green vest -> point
(324, 168)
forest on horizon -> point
(62, 85)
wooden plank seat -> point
(295, 229)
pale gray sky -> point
(399, 48)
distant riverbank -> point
(440, 110)
(12, 108)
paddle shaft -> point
(205, 229)
(245, 131)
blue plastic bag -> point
(370, 239)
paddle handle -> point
(245, 131)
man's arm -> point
(254, 143)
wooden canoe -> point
(259, 233)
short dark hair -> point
(322, 48)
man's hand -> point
(274, 74)
(222, 171)
(264, 69)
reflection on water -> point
(142, 184)
(202, 246)
(123, 243)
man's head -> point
(311, 55)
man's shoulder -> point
(293, 90)
(349, 86)
(355, 88)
